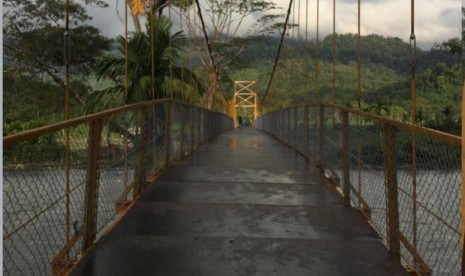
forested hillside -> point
(385, 73)
(385, 70)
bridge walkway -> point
(242, 205)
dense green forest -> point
(385, 76)
(34, 97)
(34, 66)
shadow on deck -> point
(242, 205)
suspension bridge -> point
(169, 187)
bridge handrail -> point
(443, 136)
(36, 132)
(405, 179)
(54, 210)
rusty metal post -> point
(346, 155)
(215, 127)
(203, 126)
(321, 135)
(140, 174)
(463, 178)
(295, 129)
(392, 189)
(192, 123)
(168, 132)
(288, 124)
(206, 126)
(91, 193)
(212, 127)
(255, 104)
(275, 123)
(199, 127)
(233, 109)
(209, 126)
(183, 125)
(306, 136)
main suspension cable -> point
(293, 55)
(67, 57)
(359, 120)
(305, 53)
(413, 46)
(278, 53)
(126, 61)
(334, 55)
(317, 54)
(170, 43)
(210, 49)
(152, 46)
(359, 45)
(181, 29)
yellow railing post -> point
(192, 130)
(168, 132)
(142, 148)
(345, 155)
(90, 215)
(463, 178)
(295, 129)
(306, 128)
(393, 232)
(183, 125)
(233, 111)
(288, 125)
(321, 134)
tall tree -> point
(167, 81)
(224, 21)
(151, 7)
(33, 39)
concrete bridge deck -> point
(242, 205)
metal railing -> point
(406, 180)
(64, 184)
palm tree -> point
(380, 107)
(169, 78)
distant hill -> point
(386, 71)
(391, 52)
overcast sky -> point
(435, 20)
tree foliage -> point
(225, 20)
(34, 66)
(168, 77)
(385, 72)
(34, 34)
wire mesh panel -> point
(313, 141)
(300, 128)
(405, 180)
(432, 193)
(176, 131)
(118, 155)
(65, 183)
(367, 175)
(332, 144)
(41, 198)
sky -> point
(435, 20)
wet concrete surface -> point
(242, 205)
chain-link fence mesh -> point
(47, 222)
(405, 180)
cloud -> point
(110, 20)
(435, 20)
